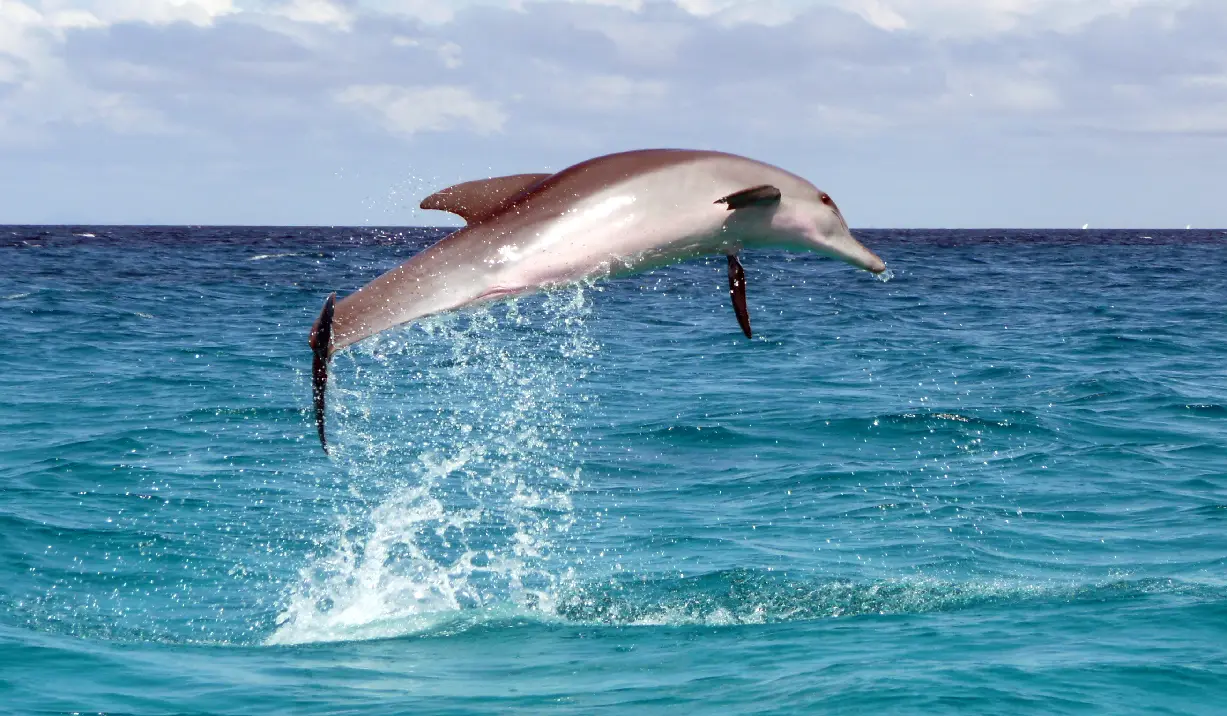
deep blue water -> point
(995, 483)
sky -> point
(910, 113)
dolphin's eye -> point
(826, 199)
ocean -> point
(995, 482)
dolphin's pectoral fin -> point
(477, 200)
(762, 195)
(737, 290)
(321, 346)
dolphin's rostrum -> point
(613, 215)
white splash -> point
(455, 440)
(262, 257)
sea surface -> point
(994, 483)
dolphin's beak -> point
(844, 247)
(870, 262)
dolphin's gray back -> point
(559, 192)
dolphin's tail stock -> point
(321, 345)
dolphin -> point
(613, 215)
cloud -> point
(316, 12)
(154, 12)
(450, 55)
(964, 18)
(258, 83)
(892, 63)
(43, 92)
(412, 110)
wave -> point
(741, 597)
(263, 257)
(901, 423)
(744, 596)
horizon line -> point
(456, 227)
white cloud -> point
(975, 44)
(601, 93)
(45, 91)
(154, 12)
(845, 121)
(74, 20)
(35, 115)
(32, 36)
(411, 110)
(631, 5)
(432, 12)
(879, 14)
(20, 38)
(932, 17)
(316, 12)
(769, 13)
(614, 91)
(860, 65)
(561, 78)
(640, 41)
(938, 18)
(449, 55)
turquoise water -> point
(996, 482)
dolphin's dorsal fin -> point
(477, 200)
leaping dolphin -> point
(610, 216)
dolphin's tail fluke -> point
(321, 346)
